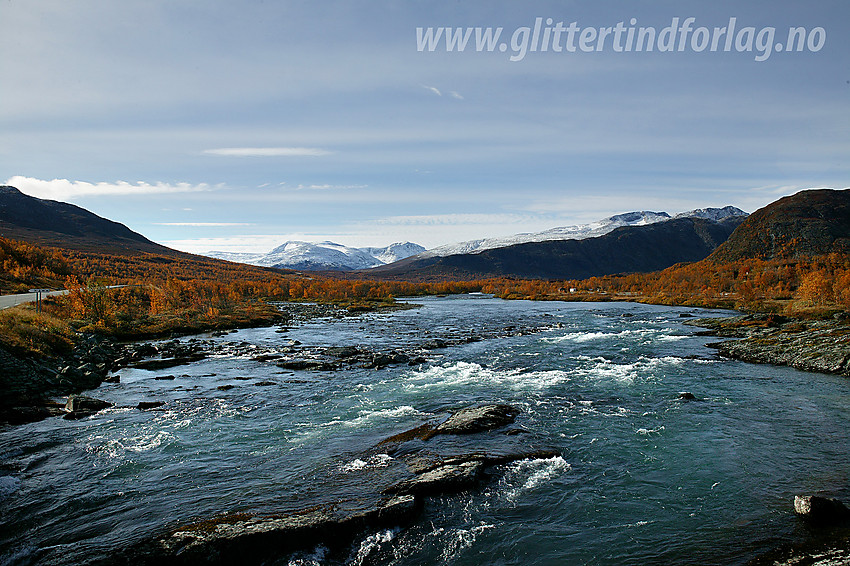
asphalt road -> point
(7, 301)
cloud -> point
(329, 187)
(457, 219)
(438, 92)
(268, 151)
(63, 189)
(203, 224)
(243, 243)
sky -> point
(236, 126)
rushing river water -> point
(645, 478)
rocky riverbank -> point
(29, 384)
(449, 453)
(809, 345)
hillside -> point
(581, 231)
(62, 225)
(642, 248)
(806, 224)
(95, 247)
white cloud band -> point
(63, 189)
(203, 224)
(268, 151)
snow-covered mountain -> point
(716, 214)
(310, 256)
(580, 232)
(394, 252)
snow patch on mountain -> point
(311, 256)
(582, 231)
(716, 214)
(394, 252)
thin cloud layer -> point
(268, 151)
(326, 187)
(63, 189)
(203, 224)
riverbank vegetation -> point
(163, 295)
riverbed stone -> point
(820, 510)
(82, 403)
(247, 538)
(478, 419)
(342, 351)
(447, 477)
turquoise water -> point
(644, 478)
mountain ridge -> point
(625, 249)
(323, 256)
(63, 225)
(581, 231)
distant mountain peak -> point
(716, 214)
(637, 216)
(324, 256)
(581, 231)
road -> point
(7, 301)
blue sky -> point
(220, 125)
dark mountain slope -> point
(626, 249)
(809, 223)
(62, 225)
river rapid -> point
(644, 477)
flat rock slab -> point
(168, 362)
(251, 539)
(445, 478)
(80, 403)
(478, 419)
(808, 345)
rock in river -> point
(256, 539)
(79, 406)
(478, 419)
(430, 459)
(820, 510)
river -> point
(644, 477)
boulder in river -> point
(820, 510)
(478, 419)
(254, 539)
(79, 406)
(312, 365)
(169, 362)
(82, 403)
(342, 351)
(448, 476)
